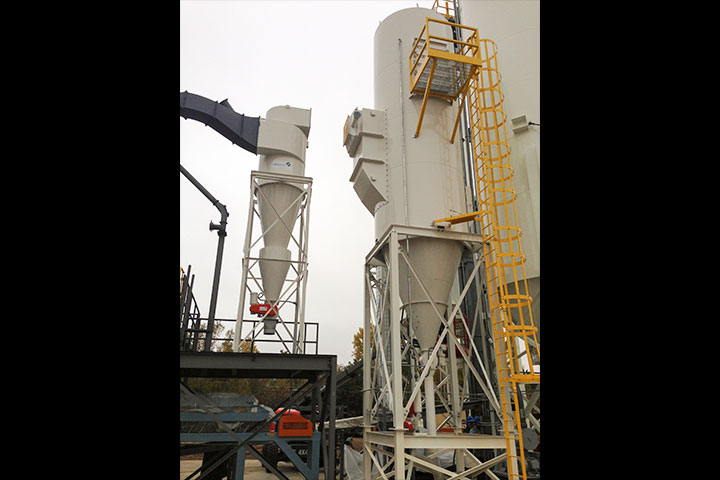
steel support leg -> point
(239, 472)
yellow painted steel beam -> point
(425, 98)
(414, 80)
(432, 52)
(465, 217)
(526, 378)
(463, 91)
(457, 120)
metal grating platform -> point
(449, 78)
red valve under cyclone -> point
(262, 308)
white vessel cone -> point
(273, 271)
(273, 199)
(276, 197)
(436, 262)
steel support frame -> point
(318, 370)
(309, 470)
(384, 386)
(298, 263)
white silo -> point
(409, 180)
(425, 177)
(408, 172)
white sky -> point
(259, 54)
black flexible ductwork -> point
(239, 129)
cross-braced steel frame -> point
(392, 383)
(290, 332)
(320, 373)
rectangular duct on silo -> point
(365, 140)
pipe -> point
(430, 397)
(218, 257)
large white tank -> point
(404, 180)
(514, 25)
(425, 177)
(433, 181)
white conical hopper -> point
(436, 262)
(273, 200)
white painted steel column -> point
(395, 351)
(243, 280)
(367, 362)
(396, 356)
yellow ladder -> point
(510, 302)
(509, 298)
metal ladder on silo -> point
(504, 261)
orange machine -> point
(292, 424)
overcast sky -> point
(259, 54)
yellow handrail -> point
(460, 53)
(446, 6)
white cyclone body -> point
(282, 142)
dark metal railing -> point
(193, 334)
(190, 321)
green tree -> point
(349, 394)
(357, 351)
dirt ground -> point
(253, 469)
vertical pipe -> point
(402, 131)
(430, 397)
(215, 285)
(218, 257)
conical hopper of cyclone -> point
(274, 199)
